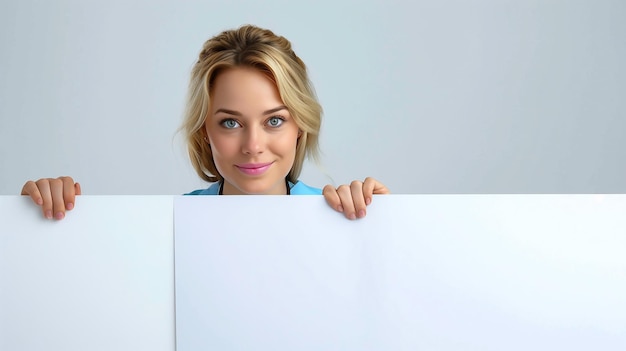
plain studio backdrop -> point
(486, 96)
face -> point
(252, 134)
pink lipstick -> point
(253, 168)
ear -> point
(299, 133)
(206, 140)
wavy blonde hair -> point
(250, 46)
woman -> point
(251, 119)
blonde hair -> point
(250, 46)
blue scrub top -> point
(298, 188)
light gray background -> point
(483, 96)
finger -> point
(77, 189)
(69, 191)
(30, 188)
(368, 189)
(378, 187)
(44, 189)
(345, 195)
(332, 198)
(356, 188)
(58, 202)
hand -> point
(352, 200)
(54, 195)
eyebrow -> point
(235, 113)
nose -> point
(253, 142)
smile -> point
(254, 168)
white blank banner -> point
(101, 279)
(467, 272)
(435, 272)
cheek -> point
(222, 146)
(286, 145)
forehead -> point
(244, 88)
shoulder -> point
(299, 188)
(212, 190)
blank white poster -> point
(100, 279)
(434, 272)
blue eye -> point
(229, 123)
(275, 121)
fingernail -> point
(352, 216)
(340, 208)
(48, 214)
(69, 206)
(361, 213)
(60, 215)
(39, 202)
(368, 201)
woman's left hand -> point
(353, 199)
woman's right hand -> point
(54, 195)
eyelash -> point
(224, 121)
(281, 119)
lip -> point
(254, 168)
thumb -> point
(380, 188)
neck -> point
(227, 188)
